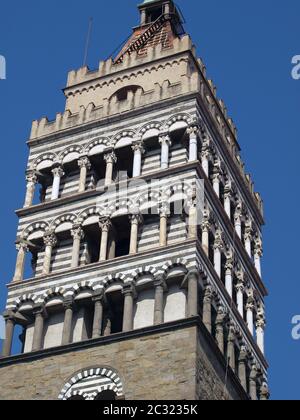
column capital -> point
(250, 305)
(221, 316)
(22, 244)
(9, 316)
(208, 294)
(238, 211)
(39, 309)
(191, 273)
(260, 318)
(129, 290)
(31, 177)
(164, 209)
(254, 372)
(193, 129)
(264, 392)
(164, 138)
(240, 286)
(258, 247)
(232, 333)
(84, 162)
(228, 189)
(50, 239)
(68, 303)
(110, 156)
(243, 356)
(136, 218)
(77, 232)
(58, 170)
(138, 146)
(160, 282)
(206, 222)
(219, 240)
(248, 231)
(105, 224)
(98, 296)
(229, 265)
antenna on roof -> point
(88, 38)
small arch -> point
(70, 154)
(31, 231)
(26, 301)
(44, 161)
(97, 146)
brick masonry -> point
(170, 365)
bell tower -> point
(145, 240)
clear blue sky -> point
(247, 47)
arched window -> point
(106, 396)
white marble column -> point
(240, 288)
(217, 177)
(229, 273)
(22, 249)
(238, 220)
(260, 329)
(258, 253)
(9, 318)
(136, 220)
(163, 228)
(50, 242)
(58, 173)
(248, 238)
(110, 159)
(84, 165)
(193, 131)
(227, 199)
(218, 248)
(32, 179)
(105, 226)
(129, 296)
(193, 219)
(250, 311)
(205, 156)
(165, 142)
(77, 235)
(205, 226)
(138, 151)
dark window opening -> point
(106, 396)
(92, 237)
(124, 165)
(154, 14)
(122, 94)
(122, 229)
(99, 170)
(113, 317)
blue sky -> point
(247, 47)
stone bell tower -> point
(144, 236)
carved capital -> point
(22, 245)
(58, 171)
(260, 318)
(84, 162)
(221, 316)
(50, 239)
(136, 218)
(164, 138)
(229, 262)
(138, 146)
(238, 212)
(110, 157)
(105, 224)
(258, 247)
(219, 240)
(31, 177)
(77, 232)
(164, 209)
(208, 294)
(129, 290)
